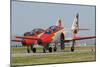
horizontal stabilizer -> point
(84, 29)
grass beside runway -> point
(54, 58)
(40, 49)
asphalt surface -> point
(53, 53)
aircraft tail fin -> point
(59, 22)
(75, 25)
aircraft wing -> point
(27, 37)
(80, 38)
(66, 40)
(17, 40)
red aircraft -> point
(56, 34)
(28, 42)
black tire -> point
(34, 50)
(44, 51)
(72, 49)
(55, 49)
(50, 49)
(28, 51)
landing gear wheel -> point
(34, 50)
(28, 51)
(50, 49)
(44, 51)
(73, 45)
(72, 49)
(55, 49)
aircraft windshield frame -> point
(36, 31)
(51, 29)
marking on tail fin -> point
(75, 25)
(59, 22)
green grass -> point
(40, 49)
(45, 59)
(52, 58)
(23, 50)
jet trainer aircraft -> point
(56, 34)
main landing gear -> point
(31, 48)
(28, 50)
(73, 46)
(50, 49)
(34, 50)
(55, 49)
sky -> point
(25, 16)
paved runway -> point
(44, 54)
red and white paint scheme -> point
(55, 34)
(37, 32)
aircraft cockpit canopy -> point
(37, 31)
(52, 29)
(34, 32)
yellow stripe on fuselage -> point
(56, 33)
